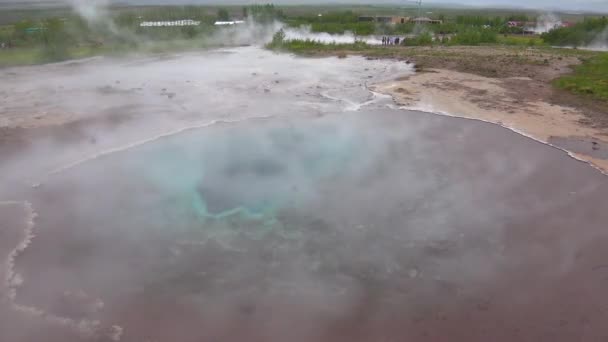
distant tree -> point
(265, 13)
(189, 31)
(55, 39)
(278, 38)
(518, 17)
(21, 31)
(424, 38)
(223, 14)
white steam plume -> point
(93, 11)
(546, 23)
(600, 42)
(305, 33)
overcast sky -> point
(573, 5)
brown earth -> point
(509, 86)
(527, 72)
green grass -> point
(33, 55)
(19, 56)
(520, 40)
(307, 47)
(589, 78)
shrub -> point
(475, 37)
(278, 39)
(423, 39)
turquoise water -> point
(238, 178)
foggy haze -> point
(580, 5)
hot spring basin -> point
(362, 226)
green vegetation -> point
(39, 39)
(519, 40)
(474, 37)
(423, 39)
(263, 13)
(580, 34)
(309, 47)
(223, 14)
(334, 23)
(278, 40)
(589, 78)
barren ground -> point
(507, 86)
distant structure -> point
(385, 19)
(521, 23)
(229, 23)
(185, 22)
(399, 20)
(425, 20)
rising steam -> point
(547, 22)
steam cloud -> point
(600, 43)
(546, 23)
(91, 10)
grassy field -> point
(521, 40)
(33, 55)
(20, 56)
(589, 78)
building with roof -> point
(229, 23)
(385, 19)
(425, 20)
(185, 22)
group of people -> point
(390, 40)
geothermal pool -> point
(308, 209)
